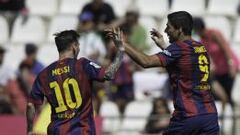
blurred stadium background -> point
(46, 17)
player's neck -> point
(184, 37)
(65, 55)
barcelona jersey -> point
(66, 84)
(188, 66)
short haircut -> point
(30, 48)
(65, 38)
(181, 19)
(198, 24)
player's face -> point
(172, 33)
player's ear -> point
(76, 46)
(71, 47)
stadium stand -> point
(46, 53)
(235, 93)
(135, 117)
(46, 8)
(150, 82)
(156, 8)
(111, 117)
(236, 37)
(14, 53)
(63, 14)
(222, 24)
(120, 6)
(71, 7)
(61, 22)
(4, 33)
(33, 30)
(223, 7)
(190, 6)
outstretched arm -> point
(141, 58)
(30, 116)
(138, 56)
(112, 69)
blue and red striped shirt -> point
(188, 66)
(66, 84)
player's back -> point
(67, 86)
(190, 80)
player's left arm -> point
(139, 57)
(112, 69)
(30, 116)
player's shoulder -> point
(82, 60)
(85, 62)
(188, 44)
(42, 73)
(46, 69)
(173, 46)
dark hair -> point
(2, 49)
(30, 48)
(198, 23)
(181, 19)
(65, 38)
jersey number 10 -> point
(68, 99)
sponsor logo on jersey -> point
(95, 65)
(167, 52)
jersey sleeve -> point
(36, 95)
(169, 55)
(93, 70)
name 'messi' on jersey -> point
(61, 70)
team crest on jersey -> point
(167, 52)
(95, 65)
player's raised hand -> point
(117, 35)
(157, 38)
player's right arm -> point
(35, 98)
(141, 58)
(30, 116)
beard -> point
(171, 39)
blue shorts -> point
(197, 125)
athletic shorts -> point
(197, 125)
